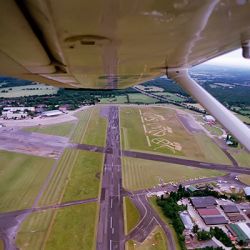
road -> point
(150, 219)
(110, 233)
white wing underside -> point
(115, 43)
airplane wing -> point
(114, 43)
(119, 43)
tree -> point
(195, 228)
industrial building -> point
(214, 220)
(236, 230)
(233, 213)
(203, 202)
(186, 220)
(209, 118)
(247, 191)
(21, 109)
(52, 113)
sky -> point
(233, 59)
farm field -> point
(95, 133)
(140, 98)
(67, 228)
(28, 90)
(61, 129)
(131, 215)
(170, 96)
(245, 179)
(115, 100)
(21, 177)
(75, 171)
(158, 130)
(155, 241)
(141, 174)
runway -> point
(110, 233)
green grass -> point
(80, 129)
(213, 130)
(24, 91)
(241, 156)
(152, 202)
(62, 129)
(140, 98)
(76, 177)
(131, 215)
(243, 118)
(72, 228)
(155, 241)
(212, 152)
(193, 146)
(170, 96)
(117, 99)
(245, 179)
(84, 180)
(21, 177)
(141, 174)
(96, 129)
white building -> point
(209, 118)
(187, 221)
(247, 191)
(52, 113)
(22, 109)
(14, 115)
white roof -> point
(52, 112)
(244, 227)
(247, 191)
(188, 224)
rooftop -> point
(203, 202)
(230, 208)
(208, 211)
(214, 220)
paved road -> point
(150, 219)
(169, 159)
(110, 233)
(186, 162)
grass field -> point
(170, 96)
(245, 179)
(193, 146)
(80, 129)
(21, 177)
(212, 152)
(117, 99)
(72, 228)
(152, 202)
(241, 156)
(155, 241)
(77, 177)
(140, 98)
(61, 129)
(141, 174)
(131, 215)
(28, 91)
(213, 130)
(96, 129)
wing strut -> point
(221, 113)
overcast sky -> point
(234, 59)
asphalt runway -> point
(110, 233)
